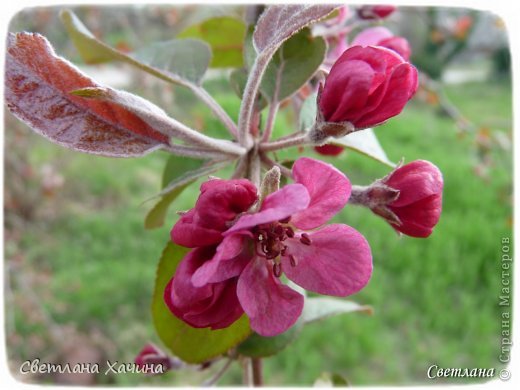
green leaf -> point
(364, 142)
(187, 59)
(179, 61)
(259, 346)
(225, 36)
(179, 173)
(308, 112)
(174, 168)
(193, 345)
(331, 379)
(238, 80)
(293, 64)
(317, 308)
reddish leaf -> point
(37, 90)
(279, 22)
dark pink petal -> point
(418, 219)
(329, 190)
(279, 205)
(272, 307)
(338, 262)
(219, 202)
(401, 88)
(416, 180)
(214, 305)
(372, 36)
(230, 259)
(398, 44)
(346, 89)
(329, 150)
(190, 232)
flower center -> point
(269, 239)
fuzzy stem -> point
(216, 108)
(214, 379)
(271, 163)
(257, 372)
(247, 374)
(255, 167)
(248, 100)
(188, 151)
(273, 107)
(285, 143)
(358, 196)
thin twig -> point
(216, 108)
(188, 151)
(247, 375)
(255, 167)
(257, 372)
(284, 143)
(241, 168)
(214, 379)
(273, 106)
(248, 100)
(271, 163)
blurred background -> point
(80, 266)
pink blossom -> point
(213, 305)
(419, 204)
(367, 86)
(329, 150)
(219, 203)
(286, 236)
(151, 355)
(369, 12)
(381, 36)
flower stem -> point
(271, 163)
(358, 196)
(284, 143)
(216, 108)
(247, 372)
(257, 372)
(248, 100)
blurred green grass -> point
(435, 299)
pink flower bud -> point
(151, 355)
(329, 150)
(369, 12)
(381, 36)
(367, 86)
(419, 204)
(398, 44)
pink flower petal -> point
(416, 180)
(229, 261)
(278, 205)
(329, 190)
(338, 262)
(272, 307)
(400, 89)
(372, 36)
(213, 305)
(419, 218)
(219, 202)
(346, 89)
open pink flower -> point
(381, 36)
(285, 237)
(367, 86)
